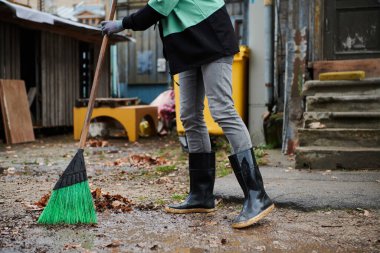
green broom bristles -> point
(70, 205)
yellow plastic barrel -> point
(239, 94)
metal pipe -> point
(269, 52)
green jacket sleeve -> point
(164, 7)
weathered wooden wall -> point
(9, 51)
(57, 66)
(104, 89)
(60, 78)
(296, 59)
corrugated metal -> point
(105, 76)
(9, 51)
(59, 79)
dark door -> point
(30, 70)
(352, 29)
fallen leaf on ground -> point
(111, 202)
(148, 206)
(102, 202)
(32, 207)
(113, 244)
(97, 143)
(43, 201)
(72, 246)
(145, 161)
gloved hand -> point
(110, 27)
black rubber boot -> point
(202, 177)
(256, 204)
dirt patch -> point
(31, 170)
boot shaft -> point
(202, 172)
(247, 171)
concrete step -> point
(358, 120)
(352, 103)
(330, 158)
(339, 137)
(339, 88)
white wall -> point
(257, 90)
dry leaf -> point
(72, 246)
(32, 207)
(43, 201)
(114, 244)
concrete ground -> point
(310, 189)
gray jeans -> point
(214, 80)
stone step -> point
(330, 158)
(352, 103)
(339, 137)
(339, 88)
(357, 120)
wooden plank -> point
(370, 66)
(16, 113)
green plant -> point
(166, 168)
(178, 197)
(223, 170)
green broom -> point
(71, 200)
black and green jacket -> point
(193, 32)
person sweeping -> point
(199, 43)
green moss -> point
(179, 197)
(166, 168)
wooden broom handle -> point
(95, 82)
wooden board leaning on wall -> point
(15, 110)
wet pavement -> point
(311, 189)
(29, 171)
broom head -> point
(71, 200)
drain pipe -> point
(269, 52)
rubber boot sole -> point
(255, 219)
(191, 210)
